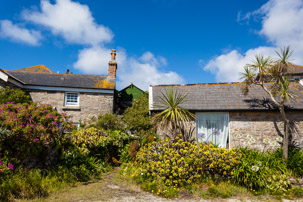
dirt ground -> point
(112, 188)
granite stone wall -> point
(91, 104)
(259, 130)
(263, 130)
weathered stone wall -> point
(263, 130)
(91, 104)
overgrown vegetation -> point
(263, 70)
(41, 152)
(136, 117)
(13, 96)
(172, 116)
(166, 168)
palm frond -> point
(172, 113)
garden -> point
(41, 152)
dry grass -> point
(114, 187)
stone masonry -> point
(91, 104)
(263, 130)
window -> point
(213, 126)
(296, 78)
(71, 99)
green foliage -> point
(31, 131)
(173, 115)
(296, 192)
(295, 161)
(264, 69)
(124, 155)
(92, 142)
(259, 171)
(40, 183)
(137, 117)
(224, 190)
(165, 164)
(13, 95)
(108, 122)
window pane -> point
(212, 127)
(71, 99)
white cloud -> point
(19, 34)
(142, 71)
(146, 72)
(71, 20)
(282, 25)
(93, 60)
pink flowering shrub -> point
(6, 169)
(33, 129)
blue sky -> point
(157, 41)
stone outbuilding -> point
(79, 95)
(230, 119)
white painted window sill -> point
(71, 108)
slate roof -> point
(42, 76)
(295, 69)
(226, 97)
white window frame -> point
(69, 104)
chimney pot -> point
(113, 54)
(112, 65)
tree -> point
(13, 95)
(173, 115)
(264, 69)
(137, 117)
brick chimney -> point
(112, 65)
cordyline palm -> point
(173, 114)
(264, 69)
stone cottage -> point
(79, 95)
(230, 119)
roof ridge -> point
(53, 73)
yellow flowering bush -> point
(92, 142)
(179, 163)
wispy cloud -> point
(19, 34)
(282, 25)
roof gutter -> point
(67, 89)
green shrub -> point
(224, 190)
(166, 164)
(29, 184)
(13, 95)
(137, 116)
(295, 161)
(296, 192)
(108, 122)
(91, 142)
(258, 171)
(30, 132)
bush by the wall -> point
(295, 161)
(31, 132)
(261, 171)
(137, 116)
(108, 122)
(13, 95)
(92, 142)
(167, 164)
